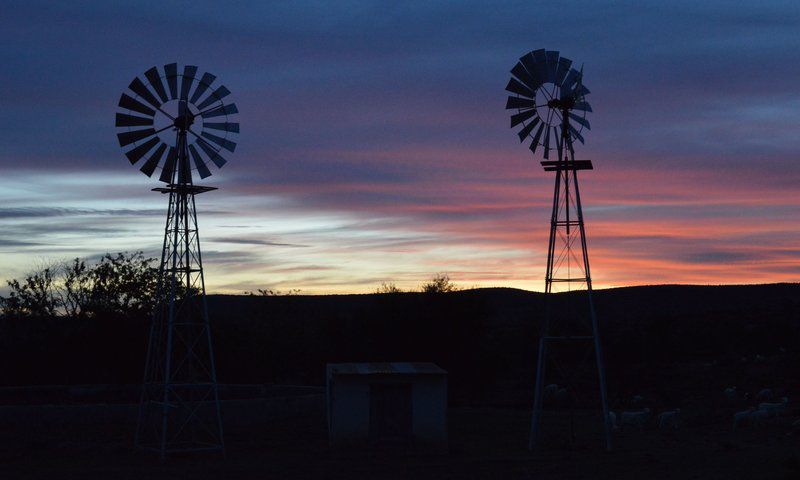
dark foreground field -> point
(676, 346)
(484, 443)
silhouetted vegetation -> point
(440, 283)
(388, 288)
(121, 285)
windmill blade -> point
(135, 154)
(139, 89)
(552, 65)
(527, 129)
(516, 87)
(124, 120)
(521, 117)
(580, 90)
(582, 106)
(217, 95)
(172, 79)
(563, 68)
(580, 120)
(569, 82)
(189, 71)
(529, 65)
(537, 137)
(212, 153)
(154, 78)
(228, 127)
(130, 103)
(202, 86)
(524, 76)
(575, 133)
(202, 169)
(126, 138)
(222, 142)
(169, 166)
(540, 64)
(518, 102)
(224, 110)
(150, 165)
(546, 143)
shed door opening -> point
(390, 412)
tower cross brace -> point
(179, 410)
(566, 227)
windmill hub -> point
(562, 103)
(183, 122)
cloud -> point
(252, 241)
(374, 136)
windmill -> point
(550, 103)
(177, 123)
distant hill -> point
(485, 338)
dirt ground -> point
(485, 443)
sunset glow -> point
(375, 146)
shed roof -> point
(394, 368)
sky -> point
(375, 146)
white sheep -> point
(774, 409)
(669, 419)
(795, 427)
(550, 390)
(751, 416)
(743, 417)
(612, 420)
(635, 419)
(562, 397)
(764, 394)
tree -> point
(121, 284)
(440, 283)
(35, 296)
(265, 292)
(388, 288)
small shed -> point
(387, 404)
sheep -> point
(562, 397)
(752, 416)
(612, 420)
(764, 394)
(635, 419)
(743, 417)
(774, 409)
(550, 390)
(795, 428)
(730, 393)
(759, 417)
(669, 419)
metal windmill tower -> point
(179, 123)
(551, 107)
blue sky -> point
(375, 145)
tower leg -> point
(537, 399)
(563, 228)
(180, 406)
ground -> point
(484, 443)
